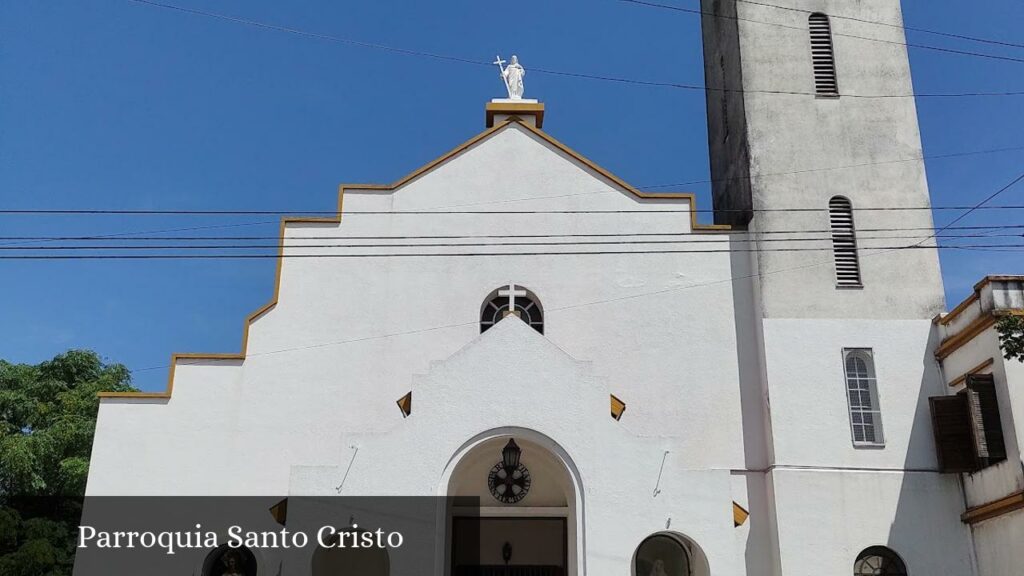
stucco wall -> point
(826, 518)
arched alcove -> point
(669, 554)
(227, 561)
(370, 561)
(540, 525)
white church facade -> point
(677, 398)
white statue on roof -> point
(513, 76)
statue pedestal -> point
(528, 110)
(514, 101)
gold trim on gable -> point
(688, 197)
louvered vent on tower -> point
(844, 242)
(822, 57)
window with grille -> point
(862, 396)
(822, 56)
(879, 561)
(844, 242)
(512, 299)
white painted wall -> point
(807, 390)
(826, 518)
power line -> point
(834, 33)
(458, 59)
(644, 294)
(316, 35)
(463, 254)
(892, 25)
(981, 204)
(548, 310)
(844, 167)
(606, 191)
(152, 212)
(475, 236)
(121, 235)
(619, 242)
(751, 177)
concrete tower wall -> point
(775, 145)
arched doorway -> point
(227, 561)
(529, 516)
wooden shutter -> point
(822, 57)
(954, 436)
(988, 426)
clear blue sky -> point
(113, 104)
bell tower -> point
(815, 151)
(813, 133)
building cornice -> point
(958, 340)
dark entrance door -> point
(504, 546)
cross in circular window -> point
(512, 299)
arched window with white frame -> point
(862, 397)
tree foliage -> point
(47, 421)
(1011, 337)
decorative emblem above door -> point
(509, 480)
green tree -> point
(47, 421)
(1011, 337)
